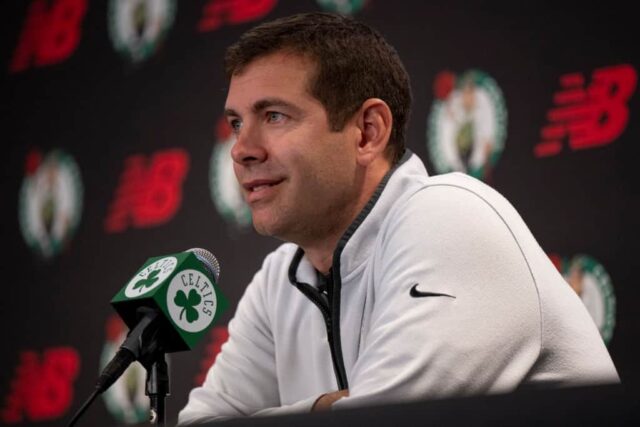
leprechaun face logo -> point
(588, 278)
(50, 202)
(467, 124)
(344, 7)
(137, 27)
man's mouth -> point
(258, 185)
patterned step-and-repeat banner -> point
(115, 151)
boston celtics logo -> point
(467, 124)
(344, 7)
(125, 399)
(191, 300)
(225, 190)
(590, 281)
(150, 277)
(137, 27)
(50, 201)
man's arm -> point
(472, 324)
(243, 381)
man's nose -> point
(249, 146)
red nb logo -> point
(150, 191)
(50, 34)
(218, 12)
(42, 388)
(588, 117)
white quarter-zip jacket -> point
(437, 289)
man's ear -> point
(374, 121)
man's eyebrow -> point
(229, 112)
(272, 102)
(262, 105)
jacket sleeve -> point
(480, 332)
(242, 381)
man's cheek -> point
(237, 171)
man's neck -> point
(321, 259)
(320, 252)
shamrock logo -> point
(149, 281)
(188, 303)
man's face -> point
(300, 179)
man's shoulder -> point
(459, 201)
(446, 198)
(413, 179)
(463, 192)
(461, 181)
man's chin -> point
(272, 229)
(261, 231)
(263, 227)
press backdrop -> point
(113, 152)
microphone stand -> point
(152, 355)
(157, 388)
(144, 345)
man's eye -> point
(275, 117)
(235, 124)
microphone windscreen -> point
(209, 261)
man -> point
(394, 285)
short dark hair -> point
(354, 63)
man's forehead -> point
(281, 75)
(282, 72)
(283, 57)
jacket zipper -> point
(310, 293)
(325, 309)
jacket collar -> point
(356, 244)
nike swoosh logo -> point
(419, 294)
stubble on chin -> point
(267, 227)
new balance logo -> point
(588, 116)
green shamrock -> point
(187, 304)
(149, 281)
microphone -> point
(168, 305)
